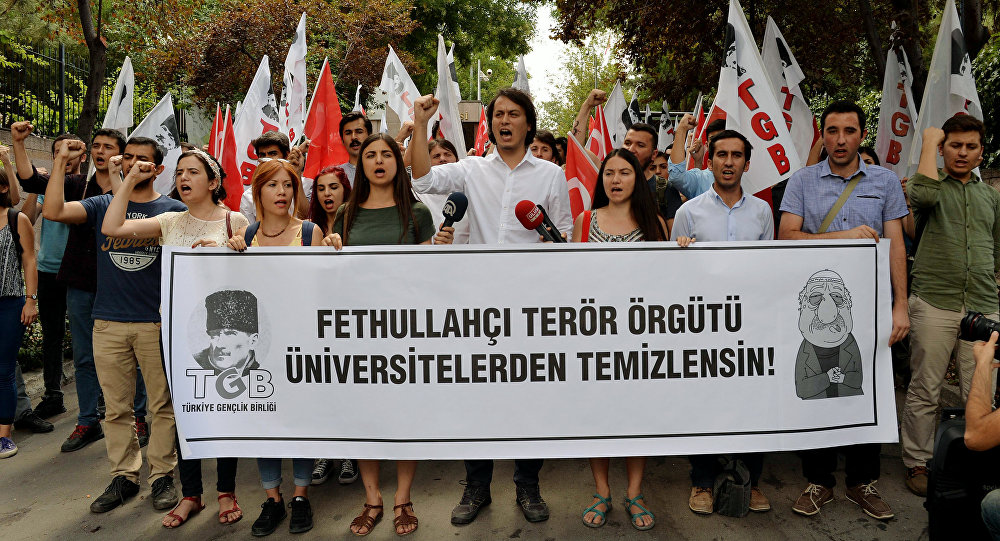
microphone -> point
(531, 216)
(552, 227)
(454, 208)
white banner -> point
(399, 87)
(504, 364)
(615, 110)
(120, 114)
(785, 75)
(897, 114)
(292, 112)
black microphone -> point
(548, 223)
(454, 208)
(530, 216)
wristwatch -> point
(33, 297)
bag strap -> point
(586, 226)
(307, 232)
(12, 215)
(229, 225)
(839, 204)
(251, 232)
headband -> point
(211, 163)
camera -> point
(977, 327)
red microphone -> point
(532, 216)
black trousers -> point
(480, 472)
(52, 316)
(862, 467)
(190, 472)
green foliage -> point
(986, 68)
(30, 354)
(502, 77)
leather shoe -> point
(474, 498)
(50, 407)
(33, 423)
(534, 508)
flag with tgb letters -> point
(784, 73)
(161, 126)
(581, 176)
(897, 114)
(745, 97)
(293, 91)
(257, 115)
(950, 88)
(451, 123)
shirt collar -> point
(715, 194)
(824, 169)
(943, 175)
(528, 158)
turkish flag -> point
(234, 180)
(482, 134)
(581, 175)
(600, 137)
(215, 138)
(323, 127)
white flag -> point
(357, 100)
(258, 114)
(897, 114)
(745, 95)
(785, 74)
(400, 90)
(648, 115)
(120, 114)
(454, 72)
(521, 77)
(666, 134)
(632, 111)
(950, 87)
(293, 91)
(614, 112)
(161, 126)
(451, 123)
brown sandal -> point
(198, 506)
(366, 521)
(404, 519)
(235, 509)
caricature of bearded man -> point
(828, 364)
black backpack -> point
(732, 489)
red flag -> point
(482, 134)
(581, 175)
(714, 113)
(600, 136)
(234, 179)
(323, 127)
(215, 138)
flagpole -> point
(479, 82)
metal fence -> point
(47, 85)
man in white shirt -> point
(494, 185)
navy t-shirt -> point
(128, 270)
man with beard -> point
(494, 185)
(77, 271)
(127, 322)
(828, 364)
(354, 129)
(724, 213)
(844, 198)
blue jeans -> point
(11, 333)
(270, 472)
(80, 306)
(991, 513)
(23, 402)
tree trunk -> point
(874, 41)
(907, 36)
(976, 35)
(98, 67)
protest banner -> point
(785, 74)
(897, 114)
(501, 364)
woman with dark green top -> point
(382, 210)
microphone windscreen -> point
(455, 206)
(528, 214)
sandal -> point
(635, 516)
(593, 509)
(404, 519)
(235, 509)
(198, 506)
(366, 521)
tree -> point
(98, 65)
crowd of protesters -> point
(102, 233)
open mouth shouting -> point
(506, 135)
(281, 203)
(184, 189)
(329, 205)
(379, 172)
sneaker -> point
(916, 480)
(164, 494)
(534, 508)
(142, 431)
(474, 498)
(348, 471)
(871, 503)
(321, 472)
(700, 501)
(34, 423)
(302, 515)
(758, 501)
(271, 514)
(811, 499)
(117, 492)
(50, 407)
(7, 448)
(81, 437)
